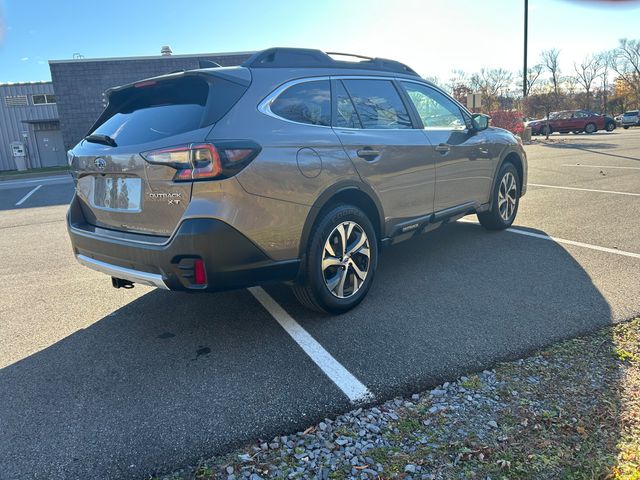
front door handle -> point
(368, 154)
(443, 148)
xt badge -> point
(171, 198)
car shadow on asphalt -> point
(455, 300)
(172, 377)
(591, 148)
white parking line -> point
(565, 241)
(344, 380)
(24, 199)
(599, 166)
(584, 189)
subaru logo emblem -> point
(100, 163)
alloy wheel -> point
(507, 196)
(345, 259)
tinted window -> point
(434, 108)
(154, 111)
(346, 115)
(581, 114)
(378, 104)
(308, 102)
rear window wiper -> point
(100, 138)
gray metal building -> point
(80, 83)
(29, 129)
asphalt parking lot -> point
(104, 383)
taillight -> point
(205, 161)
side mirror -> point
(480, 121)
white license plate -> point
(117, 193)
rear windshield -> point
(155, 110)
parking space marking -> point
(599, 166)
(24, 199)
(338, 374)
(20, 183)
(584, 189)
(565, 241)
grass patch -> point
(33, 171)
(571, 411)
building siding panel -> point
(13, 120)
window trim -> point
(399, 91)
(265, 105)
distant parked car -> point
(575, 121)
(630, 119)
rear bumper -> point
(231, 260)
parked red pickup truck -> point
(575, 121)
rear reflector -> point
(200, 274)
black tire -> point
(546, 130)
(312, 290)
(610, 127)
(590, 128)
(493, 219)
(626, 127)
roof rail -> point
(310, 58)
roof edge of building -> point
(150, 57)
(19, 84)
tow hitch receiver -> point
(121, 283)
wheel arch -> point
(350, 192)
(514, 158)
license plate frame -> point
(117, 193)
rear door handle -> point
(443, 148)
(368, 154)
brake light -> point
(205, 161)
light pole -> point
(526, 28)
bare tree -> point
(586, 73)
(626, 63)
(606, 60)
(458, 78)
(491, 83)
(571, 83)
(533, 74)
(550, 62)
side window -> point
(434, 108)
(581, 115)
(307, 102)
(346, 116)
(378, 104)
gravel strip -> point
(571, 411)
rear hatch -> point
(122, 181)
